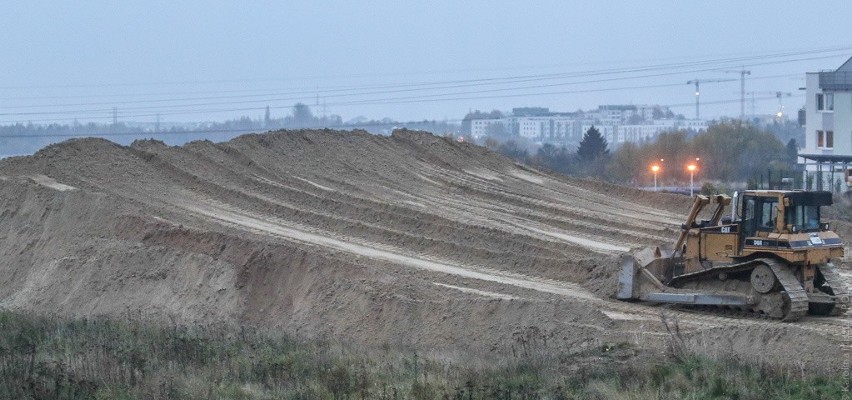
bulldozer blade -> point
(699, 299)
(626, 277)
(639, 279)
(636, 276)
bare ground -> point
(409, 240)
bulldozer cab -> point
(759, 215)
(781, 221)
(780, 212)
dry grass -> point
(128, 359)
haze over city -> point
(202, 61)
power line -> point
(172, 108)
(736, 57)
(393, 100)
(462, 83)
(387, 101)
(340, 126)
(257, 92)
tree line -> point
(726, 152)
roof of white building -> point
(846, 67)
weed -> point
(128, 359)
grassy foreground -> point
(109, 359)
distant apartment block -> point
(617, 123)
(827, 154)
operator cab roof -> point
(797, 197)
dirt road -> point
(412, 240)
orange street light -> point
(691, 168)
(655, 168)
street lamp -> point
(655, 168)
(691, 168)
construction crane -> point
(743, 72)
(778, 94)
(698, 92)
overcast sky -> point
(408, 60)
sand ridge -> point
(410, 239)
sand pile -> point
(412, 240)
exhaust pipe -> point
(734, 205)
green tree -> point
(554, 158)
(786, 130)
(627, 164)
(547, 152)
(513, 150)
(728, 152)
(736, 152)
(792, 151)
(593, 147)
(677, 149)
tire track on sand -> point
(253, 223)
(246, 221)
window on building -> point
(825, 102)
(825, 139)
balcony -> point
(837, 80)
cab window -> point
(768, 214)
(749, 209)
(749, 218)
(803, 217)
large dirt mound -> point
(411, 239)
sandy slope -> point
(412, 240)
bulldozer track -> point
(832, 277)
(795, 296)
(795, 293)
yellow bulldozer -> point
(772, 256)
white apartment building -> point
(479, 127)
(548, 128)
(637, 133)
(827, 155)
(612, 121)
